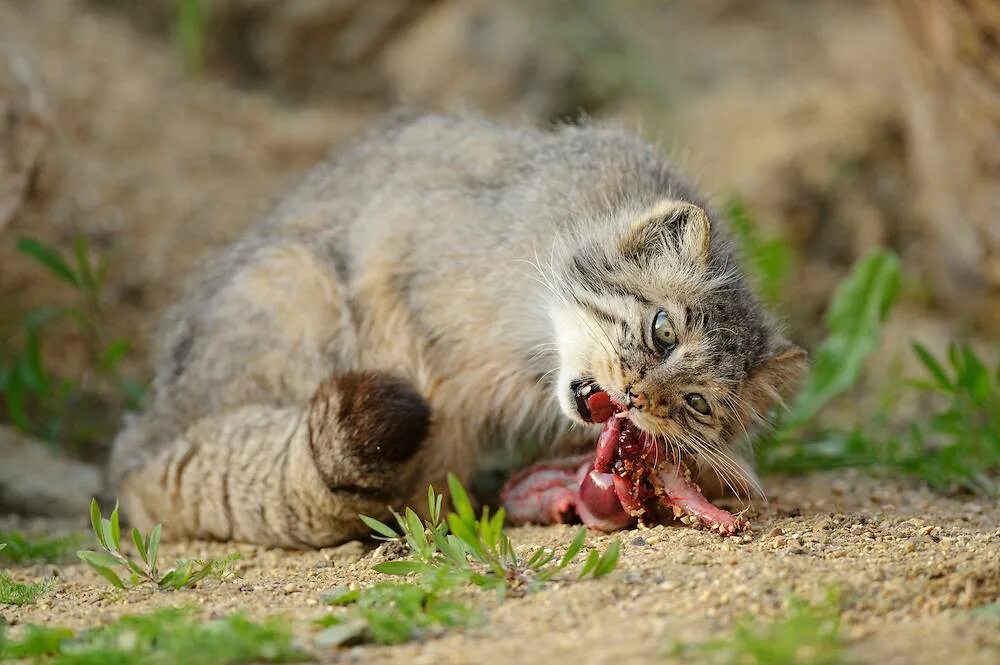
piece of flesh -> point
(630, 477)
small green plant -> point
(477, 550)
(956, 446)
(959, 445)
(807, 634)
(165, 636)
(16, 593)
(854, 323)
(57, 408)
(394, 612)
(189, 34)
(769, 259)
(185, 573)
(447, 552)
(19, 549)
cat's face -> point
(660, 320)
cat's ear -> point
(669, 226)
(780, 372)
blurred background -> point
(136, 137)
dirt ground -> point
(909, 565)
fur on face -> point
(729, 363)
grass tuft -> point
(807, 634)
(76, 412)
(16, 593)
(164, 636)
(394, 612)
(476, 550)
(15, 547)
(955, 445)
(112, 563)
(447, 552)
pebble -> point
(290, 588)
(639, 541)
(776, 531)
(822, 525)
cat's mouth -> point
(593, 403)
(632, 476)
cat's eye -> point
(698, 403)
(664, 336)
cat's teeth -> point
(585, 390)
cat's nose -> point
(637, 400)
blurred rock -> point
(36, 480)
(25, 122)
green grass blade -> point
(609, 560)
(496, 523)
(95, 521)
(460, 500)
(48, 258)
(116, 529)
(342, 596)
(108, 532)
(415, 532)
(378, 527)
(85, 269)
(401, 568)
(140, 545)
(593, 558)
(432, 505)
(98, 558)
(110, 576)
(154, 548)
(467, 535)
(535, 557)
(932, 365)
(574, 548)
(189, 33)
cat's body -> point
(395, 317)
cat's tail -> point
(280, 476)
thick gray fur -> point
(425, 295)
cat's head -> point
(658, 315)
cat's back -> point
(518, 173)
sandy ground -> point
(909, 564)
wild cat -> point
(443, 287)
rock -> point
(390, 550)
(36, 480)
(25, 124)
(350, 551)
